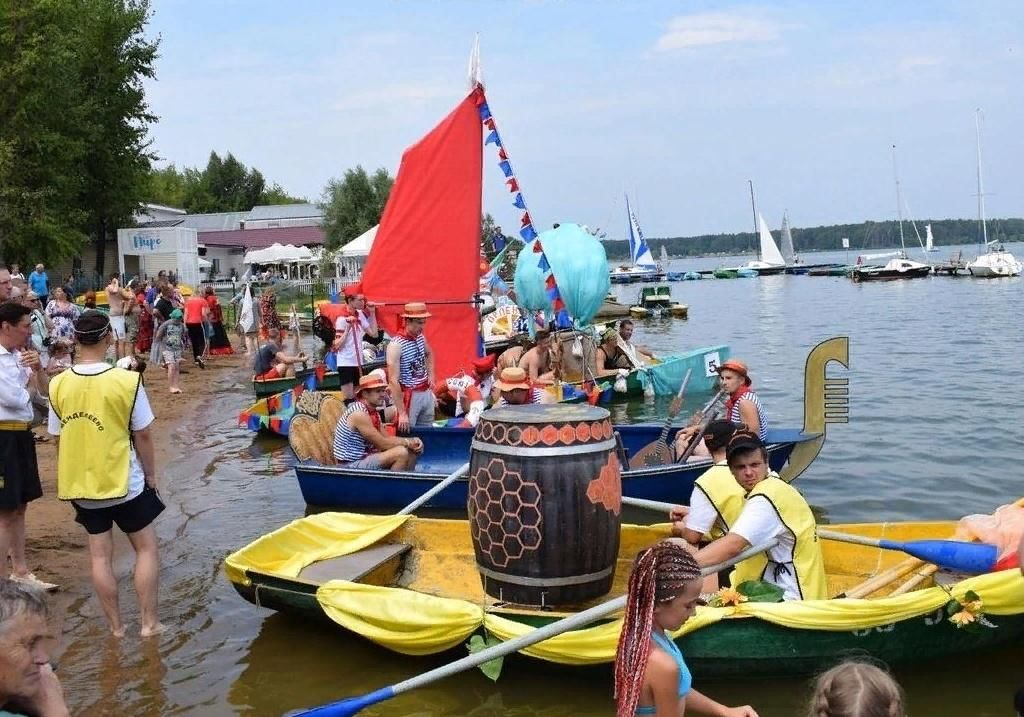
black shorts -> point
(348, 374)
(131, 517)
(19, 473)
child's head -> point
(856, 689)
(132, 363)
(176, 316)
(59, 348)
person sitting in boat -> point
(742, 407)
(537, 360)
(635, 356)
(515, 389)
(651, 676)
(360, 442)
(410, 363)
(609, 359)
(717, 499)
(513, 355)
(467, 393)
(772, 510)
(271, 360)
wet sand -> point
(56, 546)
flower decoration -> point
(967, 613)
(726, 597)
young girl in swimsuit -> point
(651, 677)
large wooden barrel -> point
(545, 500)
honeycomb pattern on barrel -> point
(544, 436)
(506, 513)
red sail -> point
(428, 244)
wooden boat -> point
(327, 380)
(790, 451)
(411, 586)
(273, 414)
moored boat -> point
(899, 267)
(411, 585)
(657, 301)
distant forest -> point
(863, 237)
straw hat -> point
(371, 381)
(734, 365)
(512, 378)
(415, 310)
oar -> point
(656, 454)
(353, 705)
(656, 505)
(707, 415)
(459, 472)
(973, 558)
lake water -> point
(935, 432)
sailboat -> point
(771, 260)
(929, 240)
(996, 261)
(642, 266)
(899, 267)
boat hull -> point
(667, 376)
(889, 274)
(330, 381)
(753, 640)
(448, 448)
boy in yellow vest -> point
(106, 466)
(717, 499)
(773, 510)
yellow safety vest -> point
(728, 498)
(95, 414)
(796, 515)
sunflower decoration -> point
(967, 613)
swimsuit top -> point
(685, 679)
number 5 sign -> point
(711, 361)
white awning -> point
(279, 254)
(361, 245)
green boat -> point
(411, 585)
(725, 274)
(268, 387)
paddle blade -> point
(971, 558)
(346, 707)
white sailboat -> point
(663, 256)
(771, 261)
(788, 251)
(899, 267)
(929, 240)
(995, 261)
(642, 266)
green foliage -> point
(760, 591)
(354, 204)
(225, 185)
(869, 236)
(491, 668)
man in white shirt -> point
(773, 511)
(350, 328)
(135, 510)
(21, 378)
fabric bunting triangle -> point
(489, 124)
(513, 185)
(502, 154)
(528, 233)
(519, 202)
(493, 137)
(526, 219)
(506, 168)
(543, 264)
(485, 112)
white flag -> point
(846, 243)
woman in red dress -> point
(145, 340)
(219, 343)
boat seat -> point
(354, 566)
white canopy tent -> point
(293, 256)
(353, 255)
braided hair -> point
(660, 574)
(856, 689)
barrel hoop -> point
(552, 451)
(546, 582)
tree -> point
(116, 58)
(354, 204)
(42, 146)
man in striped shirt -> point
(359, 441)
(411, 369)
(516, 389)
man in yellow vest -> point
(106, 466)
(773, 510)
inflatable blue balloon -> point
(580, 266)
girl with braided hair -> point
(651, 677)
(856, 689)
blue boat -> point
(445, 449)
(790, 452)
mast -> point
(981, 190)
(899, 201)
(753, 208)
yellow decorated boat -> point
(101, 296)
(411, 585)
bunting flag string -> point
(527, 230)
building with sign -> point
(148, 251)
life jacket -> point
(95, 414)
(806, 561)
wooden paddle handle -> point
(882, 579)
(915, 580)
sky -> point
(678, 104)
